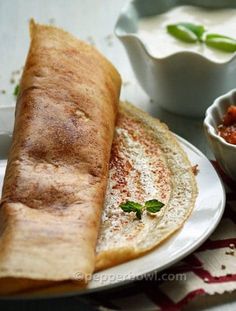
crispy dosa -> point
(57, 169)
(146, 163)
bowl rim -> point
(210, 115)
(122, 33)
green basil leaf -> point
(221, 42)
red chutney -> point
(227, 129)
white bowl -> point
(224, 152)
(185, 82)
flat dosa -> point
(146, 163)
(57, 169)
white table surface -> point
(93, 21)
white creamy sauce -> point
(153, 33)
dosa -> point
(57, 169)
(147, 163)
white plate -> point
(202, 222)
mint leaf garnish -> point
(151, 206)
(131, 206)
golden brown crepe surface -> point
(56, 175)
(146, 162)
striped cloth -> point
(210, 270)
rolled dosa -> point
(57, 169)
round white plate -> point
(202, 222)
